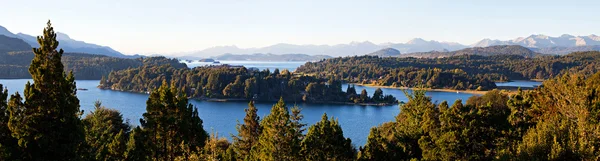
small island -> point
(208, 60)
(236, 83)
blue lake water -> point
(519, 83)
(355, 120)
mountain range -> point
(271, 57)
(563, 44)
(352, 48)
(544, 44)
(67, 44)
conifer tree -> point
(137, 146)
(105, 133)
(8, 150)
(274, 142)
(170, 121)
(47, 124)
(248, 133)
(325, 141)
(375, 149)
(378, 96)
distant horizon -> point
(152, 26)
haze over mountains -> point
(539, 43)
(67, 44)
(563, 44)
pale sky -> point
(169, 26)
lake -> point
(355, 120)
(519, 83)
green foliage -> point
(170, 121)
(248, 133)
(237, 83)
(325, 141)
(455, 72)
(105, 134)
(47, 124)
(278, 140)
(8, 148)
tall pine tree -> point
(248, 133)
(170, 121)
(8, 144)
(275, 143)
(105, 133)
(47, 124)
(325, 141)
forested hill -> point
(484, 51)
(239, 83)
(12, 44)
(15, 64)
(387, 52)
(456, 72)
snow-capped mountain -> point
(544, 41)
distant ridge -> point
(540, 43)
(543, 41)
(271, 57)
(67, 44)
(387, 52)
(483, 51)
(13, 44)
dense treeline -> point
(232, 82)
(14, 64)
(483, 51)
(557, 121)
(457, 72)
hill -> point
(15, 65)
(565, 50)
(387, 52)
(12, 44)
(483, 51)
(67, 44)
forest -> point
(16, 57)
(240, 83)
(556, 121)
(14, 64)
(460, 72)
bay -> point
(222, 117)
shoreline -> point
(247, 100)
(508, 90)
(426, 89)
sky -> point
(159, 26)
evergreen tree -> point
(325, 141)
(105, 133)
(170, 121)
(364, 96)
(248, 133)
(376, 149)
(274, 143)
(351, 93)
(47, 124)
(137, 146)
(378, 96)
(8, 149)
